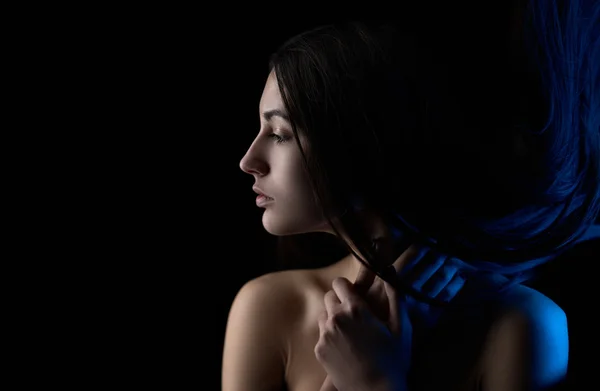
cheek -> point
(302, 187)
(297, 187)
(299, 196)
(292, 175)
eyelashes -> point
(278, 138)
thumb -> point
(328, 385)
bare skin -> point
(302, 370)
(273, 325)
(458, 353)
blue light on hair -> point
(562, 40)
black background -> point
(148, 225)
(162, 229)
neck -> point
(386, 250)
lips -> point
(258, 191)
(264, 197)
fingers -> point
(402, 265)
(452, 288)
(399, 323)
(364, 279)
(409, 259)
(328, 385)
(396, 317)
(331, 301)
(432, 273)
(425, 269)
(345, 291)
(322, 321)
(436, 283)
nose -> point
(252, 164)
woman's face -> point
(275, 162)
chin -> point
(288, 225)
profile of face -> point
(275, 161)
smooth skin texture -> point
(273, 325)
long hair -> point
(490, 155)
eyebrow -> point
(267, 115)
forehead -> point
(271, 97)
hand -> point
(358, 351)
(435, 276)
(426, 271)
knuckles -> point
(320, 351)
(340, 313)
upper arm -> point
(253, 354)
(527, 349)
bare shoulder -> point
(286, 285)
(279, 294)
(261, 317)
(285, 297)
(527, 344)
(272, 330)
(532, 309)
(528, 305)
(294, 286)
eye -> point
(278, 138)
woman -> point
(381, 140)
